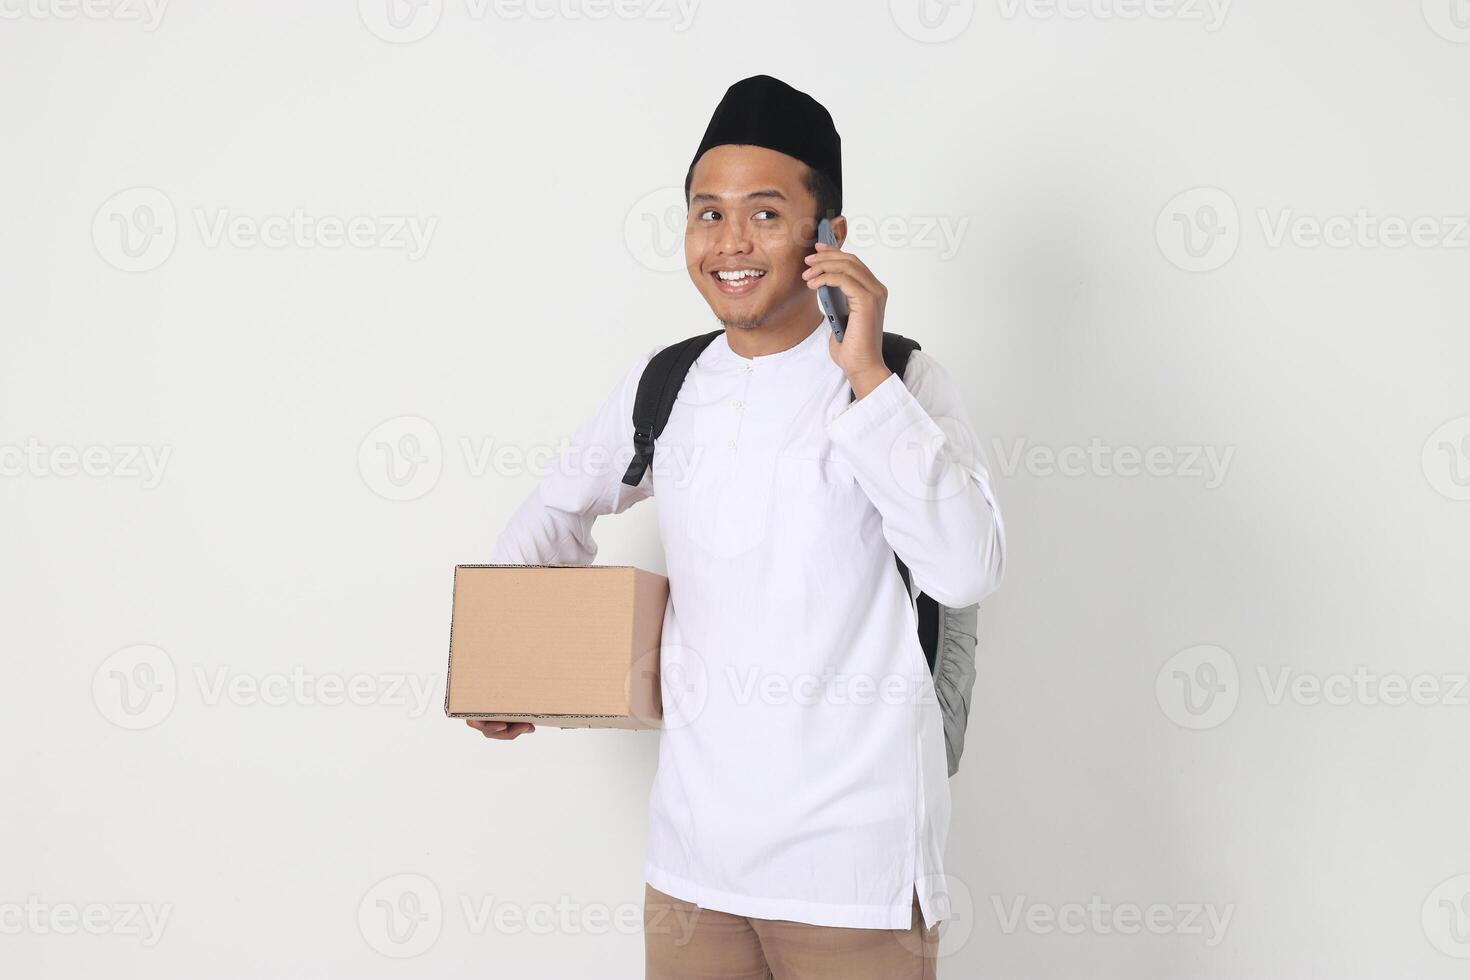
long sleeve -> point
(553, 525)
(913, 451)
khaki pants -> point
(682, 941)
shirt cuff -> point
(891, 399)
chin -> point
(736, 316)
(741, 319)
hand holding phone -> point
(831, 299)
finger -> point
(827, 258)
(851, 287)
(842, 262)
(485, 726)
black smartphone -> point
(831, 299)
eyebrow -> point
(771, 192)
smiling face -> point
(752, 221)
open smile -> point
(737, 282)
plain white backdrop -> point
(298, 300)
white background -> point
(545, 146)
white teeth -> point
(738, 275)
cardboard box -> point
(564, 646)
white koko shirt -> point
(801, 768)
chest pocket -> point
(818, 512)
(820, 474)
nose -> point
(734, 238)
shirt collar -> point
(814, 341)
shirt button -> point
(748, 366)
(737, 403)
(729, 443)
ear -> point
(839, 229)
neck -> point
(774, 335)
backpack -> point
(947, 635)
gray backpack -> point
(947, 635)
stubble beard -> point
(743, 324)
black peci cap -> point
(765, 111)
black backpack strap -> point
(657, 388)
(896, 351)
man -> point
(799, 812)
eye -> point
(773, 214)
(707, 211)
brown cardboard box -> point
(565, 646)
